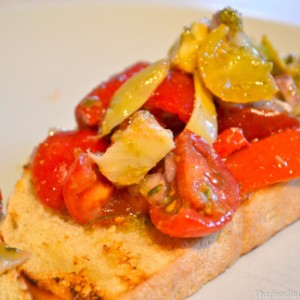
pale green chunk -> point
(184, 53)
(133, 94)
(11, 257)
(203, 120)
(136, 150)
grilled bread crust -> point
(134, 260)
(13, 286)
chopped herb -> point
(155, 190)
(7, 249)
(11, 249)
(104, 218)
(231, 18)
(88, 102)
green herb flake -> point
(231, 18)
(89, 102)
(155, 190)
(11, 249)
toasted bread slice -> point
(13, 287)
(135, 261)
(12, 284)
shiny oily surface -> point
(11, 257)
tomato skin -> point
(188, 223)
(229, 141)
(91, 198)
(85, 193)
(205, 190)
(268, 161)
(53, 159)
(124, 203)
(256, 123)
(89, 112)
(174, 95)
(91, 109)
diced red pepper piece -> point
(175, 95)
(266, 162)
(90, 110)
(257, 123)
(229, 141)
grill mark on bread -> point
(129, 263)
(75, 286)
(80, 288)
(14, 220)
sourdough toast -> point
(12, 284)
(13, 287)
(135, 260)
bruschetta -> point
(176, 168)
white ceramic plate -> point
(52, 54)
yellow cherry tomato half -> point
(234, 73)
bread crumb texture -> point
(133, 261)
(13, 287)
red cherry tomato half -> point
(53, 159)
(229, 141)
(85, 191)
(205, 191)
(256, 123)
(175, 95)
(268, 161)
(90, 110)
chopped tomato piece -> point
(53, 159)
(91, 198)
(268, 161)
(90, 111)
(127, 202)
(174, 95)
(256, 123)
(205, 194)
(188, 222)
(229, 141)
(85, 191)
